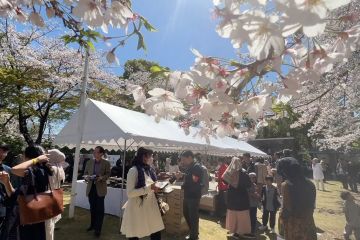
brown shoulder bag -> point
(38, 207)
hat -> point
(56, 157)
(252, 174)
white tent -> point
(114, 127)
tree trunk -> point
(23, 127)
(42, 124)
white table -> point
(112, 200)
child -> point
(271, 204)
(254, 201)
(352, 215)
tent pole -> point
(122, 185)
(80, 130)
(123, 177)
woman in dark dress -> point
(238, 203)
(299, 194)
(35, 176)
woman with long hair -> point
(299, 195)
(142, 215)
(35, 172)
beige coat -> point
(261, 173)
(141, 217)
(101, 187)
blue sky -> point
(181, 25)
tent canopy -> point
(111, 126)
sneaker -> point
(272, 230)
(263, 228)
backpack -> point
(204, 180)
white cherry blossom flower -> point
(179, 84)
(90, 11)
(225, 129)
(138, 94)
(255, 106)
(119, 14)
(50, 12)
(264, 34)
(211, 110)
(36, 19)
(307, 14)
(163, 104)
(111, 58)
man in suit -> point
(97, 171)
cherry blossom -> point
(138, 93)
(163, 104)
(111, 58)
(264, 34)
(255, 106)
(288, 51)
(307, 14)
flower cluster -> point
(283, 38)
(93, 13)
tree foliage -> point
(40, 78)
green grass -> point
(329, 220)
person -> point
(155, 163)
(4, 150)
(255, 197)
(287, 152)
(142, 215)
(248, 165)
(222, 188)
(69, 170)
(82, 172)
(341, 174)
(238, 202)
(261, 171)
(352, 215)
(192, 192)
(167, 164)
(278, 180)
(8, 191)
(96, 173)
(353, 176)
(271, 204)
(173, 167)
(318, 174)
(35, 173)
(57, 161)
(116, 171)
(325, 169)
(299, 195)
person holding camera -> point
(96, 173)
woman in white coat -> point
(318, 174)
(142, 215)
